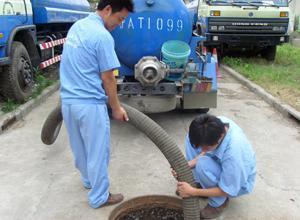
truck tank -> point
(144, 31)
(162, 63)
(59, 11)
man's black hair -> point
(116, 5)
(206, 130)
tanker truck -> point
(32, 33)
(163, 65)
(254, 26)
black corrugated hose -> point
(159, 137)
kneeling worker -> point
(222, 160)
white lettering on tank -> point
(130, 24)
(170, 24)
(148, 23)
(141, 22)
(179, 25)
(159, 24)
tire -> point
(52, 126)
(17, 79)
(269, 53)
(194, 110)
(202, 110)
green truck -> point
(245, 25)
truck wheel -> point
(269, 53)
(202, 110)
(17, 79)
(194, 110)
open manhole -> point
(155, 207)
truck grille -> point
(248, 26)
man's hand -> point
(110, 87)
(192, 163)
(120, 114)
(185, 190)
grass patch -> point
(281, 78)
(41, 82)
(9, 106)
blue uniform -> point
(88, 51)
(231, 166)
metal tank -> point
(58, 11)
(144, 31)
(162, 62)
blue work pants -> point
(88, 126)
(207, 173)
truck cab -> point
(12, 14)
(255, 25)
(31, 36)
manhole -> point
(155, 207)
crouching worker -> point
(222, 160)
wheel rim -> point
(25, 77)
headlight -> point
(214, 28)
(215, 38)
(284, 14)
(278, 28)
(215, 13)
(221, 28)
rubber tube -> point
(159, 137)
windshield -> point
(277, 3)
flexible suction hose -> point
(159, 137)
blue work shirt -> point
(236, 158)
(88, 51)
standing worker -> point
(87, 84)
(222, 161)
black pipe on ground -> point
(159, 137)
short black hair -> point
(206, 130)
(116, 5)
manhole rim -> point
(172, 202)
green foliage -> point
(288, 55)
(285, 67)
(9, 105)
(41, 83)
(279, 76)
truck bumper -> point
(245, 40)
(4, 61)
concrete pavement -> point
(40, 182)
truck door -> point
(203, 13)
(13, 13)
(14, 9)
(202, 8)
